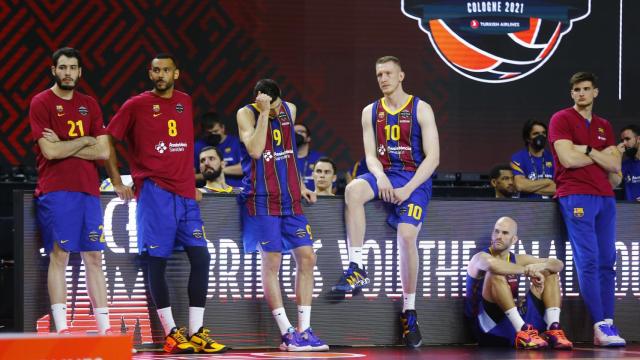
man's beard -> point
(62, 86)
(167, 86)
(211, 174)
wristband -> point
(588, 150)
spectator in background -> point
(306, 157)
(533, 166)
(212, 169)
(205, 137)
(630, 142)
(324, 175)
(501, 178)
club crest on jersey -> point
(381, 150)
(156, 108)
(83, 110)
(179, 108)
(267, 155)
(495, 41)
(381, 116)
(578, 212)
(161, 147)
(59, 108)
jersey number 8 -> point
(173, 127)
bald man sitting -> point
(493, 276)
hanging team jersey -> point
(398, 135)
(473, 297)
(271, 185)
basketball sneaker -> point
(606, 335)
(556, 338)
(177, 343)
(292, 341)
(528, 338)
(354, 278)
(410, 329)
(203, 343)
(314, 342)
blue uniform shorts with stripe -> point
(492, 327)
(413, 210)
(71, 219)
(274, 233)
(166, 220)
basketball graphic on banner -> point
(495, 41)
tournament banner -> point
(239, 316)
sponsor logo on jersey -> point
(161, 147)
(267, 155)
(495, 41)
(83, 110)
(381, 150)
(178, 147)
(179, 108)
(94, 236)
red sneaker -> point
(556, 338)
(527, 338)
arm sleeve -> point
(121, 121)
(38, 118)
(559, 129)
(97, 121)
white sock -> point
(409, 302)
(551, 315)
(515, 318)
(196, 314)
(281, 320)
(166, 318)
(59, 313)
(609, 321)
(102, 319)
(355, 255)
(304, 317)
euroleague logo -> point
(495, 41)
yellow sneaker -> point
(176, 343)
(203, 343)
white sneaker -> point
(607, 335)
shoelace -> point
(179, 335)
(607, 330)
(558, 333)
(204, 335)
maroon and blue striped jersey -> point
(271, 185)
(398, 135)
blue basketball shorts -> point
(413, 210)
(166, 220)
(274, 233)
(492, 327)
(71, 219)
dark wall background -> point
(321, 53)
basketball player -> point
(492, 290)
(273, 222)
(212, 169)
(67, 126)
(158, 127)
(402, 151)
(584, 153)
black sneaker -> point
(354, 278)
(410, 329)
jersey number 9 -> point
(277, 136)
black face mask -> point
(299, 140)
(538, 142)
(631, 152)
(213, 139)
